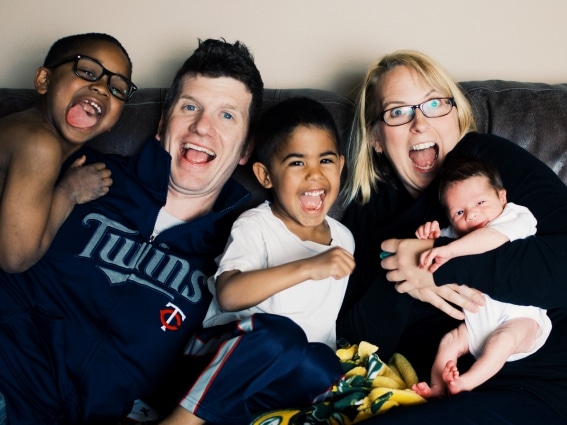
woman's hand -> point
(409, 278)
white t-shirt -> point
(259, 240)
(165, 221)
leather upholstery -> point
(533, 115)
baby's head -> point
(472, 193)
(298, 158)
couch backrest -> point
(141, 115)
(140, 119)
(533, 115)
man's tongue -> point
(82, 115)
(310, 202)
(423, 158)
(196, 156)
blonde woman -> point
(411, 116)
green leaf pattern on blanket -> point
(369, 387)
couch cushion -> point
(141, 115)
(140, 118)
(533, 115)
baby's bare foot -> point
(451, 377)
(423, 389)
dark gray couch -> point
(533, 115)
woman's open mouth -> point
(424, 155)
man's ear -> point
(262, 174)
(41, 80)
(162, 122)
(246, 152)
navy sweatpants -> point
(260, 363)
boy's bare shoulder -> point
(27, 131)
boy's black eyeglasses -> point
(92, 70)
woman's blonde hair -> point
(363, 170)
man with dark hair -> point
(217, 58)
(103, 317)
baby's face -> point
(472, 203)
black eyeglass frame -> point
(105, 71)
(414, 107)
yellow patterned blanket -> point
(369, 387)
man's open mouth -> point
(197, 154)
(424, 155)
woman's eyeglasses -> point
(432, 108)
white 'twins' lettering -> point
(123, 259)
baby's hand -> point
(336, 262)
(86, 183)
(434, 258)
(429, 230)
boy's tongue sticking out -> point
(83, 115)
